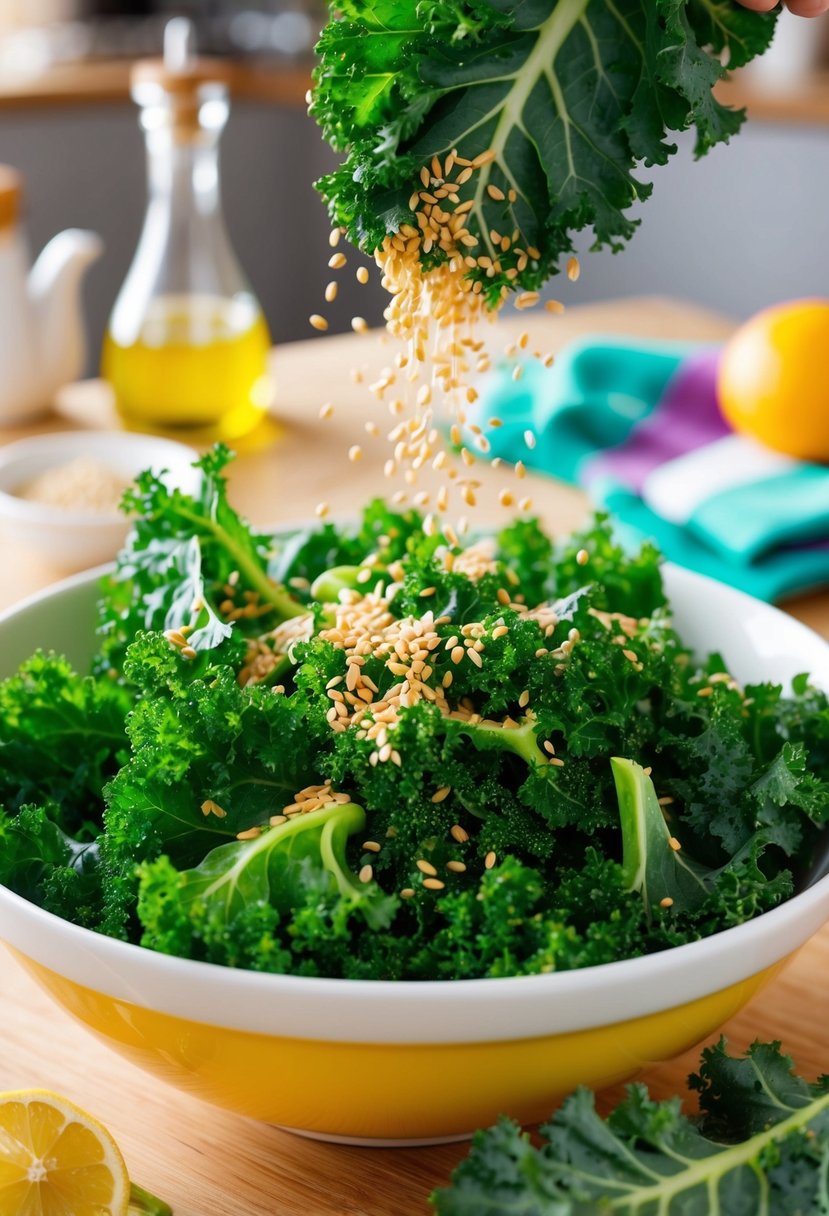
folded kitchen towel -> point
(638, 425)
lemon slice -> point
(55, 1160)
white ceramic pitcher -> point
(42, 340)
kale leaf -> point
(761, 1145)
(570, 95)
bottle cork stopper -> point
(180, 71)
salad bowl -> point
(412, 1062)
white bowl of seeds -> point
(60, 492)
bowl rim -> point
(428, 1011)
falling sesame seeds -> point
(355, 453)
(326, 410)
(490, 859)
(582, 557)
(529, 439)
(573, 269)
(321, 510)
(330, 292)
(318, 322)
(359, 325)
(361, 274)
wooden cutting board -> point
(206, 1162)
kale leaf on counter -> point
(760, 1145)
(360, 751)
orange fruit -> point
(56, 1160)
(773, 381)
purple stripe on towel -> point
(688, 417)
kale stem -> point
(270, 592)
(142, 1203)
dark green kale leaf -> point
(61, 739)
(762, 1145)
(45, 865)
(571, 96)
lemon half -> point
(56, 1160)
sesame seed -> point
(209, 807)
(321, 509)
(276, 820)
(701, 692)
(674, 843)
(442, 793)
(490, 859)
(434, 884)
(548, 747)
(557, 761)
(573, 269)
(475, 657)
(359, 325)
(330, 292)
(494, 192)
(582, 557)
(355, 453)
(667, 902)
(366, 874)
(337, 261)
(362, 274)
(456, 867)
(458, 833)
(457, 654)
(318, 322)
(524, 699)
(249, 834)
(529, 439)
(407, 893)
(187, 652)
(666, 801)
(426, 867)
(334, 237)
(554, 306)
(520, 470)
(371, 846)
(326, 410)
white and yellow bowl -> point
(383, 1062)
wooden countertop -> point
(204, 1161)
(99, 81)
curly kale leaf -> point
(61, 739)
(190, 561)
(762, 1145)
(570, 95)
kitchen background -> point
(67, 123)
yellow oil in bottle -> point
(196, 362)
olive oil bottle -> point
(187, 344)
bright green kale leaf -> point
(762, 1146)
(186, 557)
(570, 95)
(288, 867)
(653, 861)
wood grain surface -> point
(204, 1161)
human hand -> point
(801, 8)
